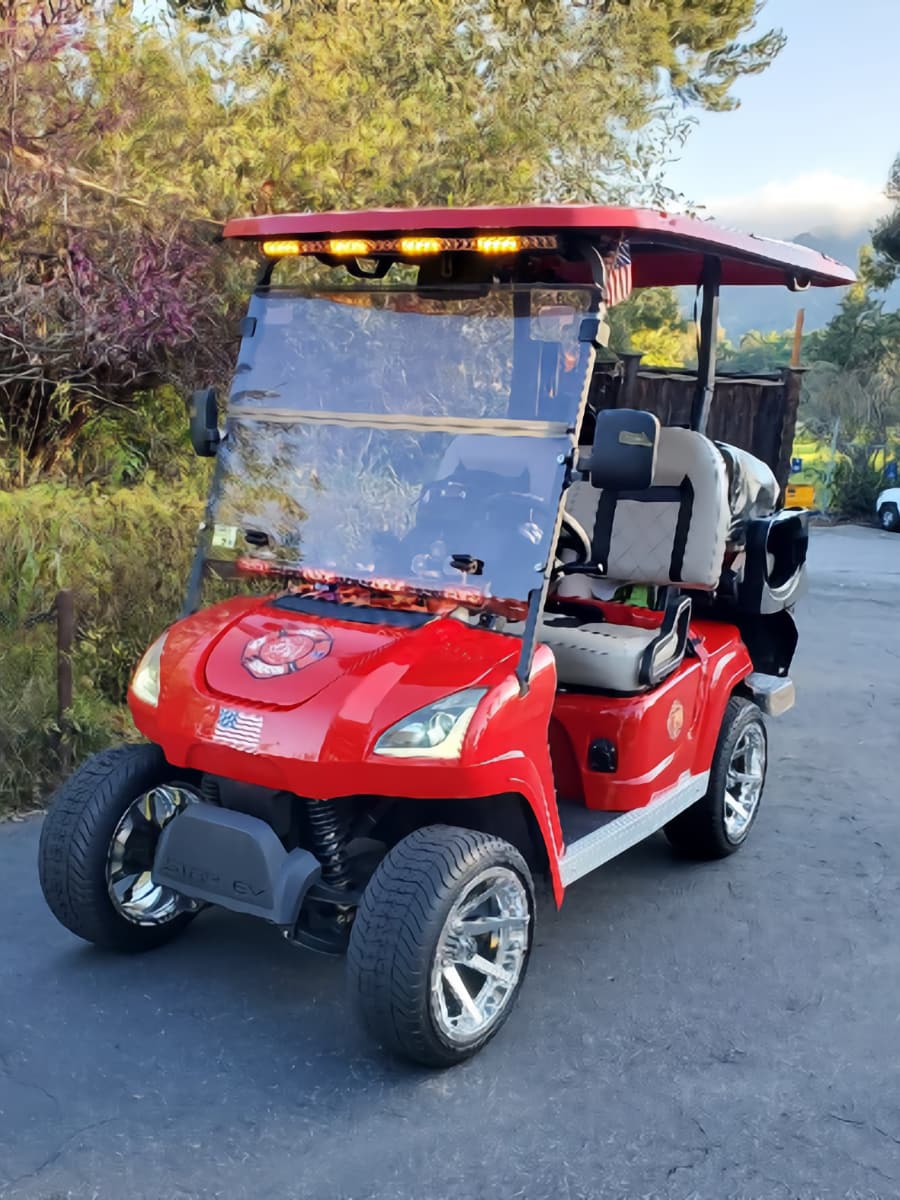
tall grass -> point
(125, 555)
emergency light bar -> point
(410, 246)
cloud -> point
(809, 202)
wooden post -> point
(798, 338)
(632, 363)
(65, 632)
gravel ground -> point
(719, 1031)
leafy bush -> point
(856, 482)
(125, 555)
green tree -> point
(455, 101)
(858, 411)
(886, 237)
(851, 396)
(861, 335)
(123, 145)
(108, 282)
(758, 351)
(650, 322)
(865, 402)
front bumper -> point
(293, 756)
(236, 861)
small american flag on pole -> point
(618, 275)
(237, 729)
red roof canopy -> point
(666, 250)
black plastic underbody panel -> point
(236, 861)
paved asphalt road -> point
(707, 1032)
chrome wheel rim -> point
(129, 863)
(480, 955)
(887, 519)
(744, 781)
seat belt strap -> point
(682, 529)
(603, 526)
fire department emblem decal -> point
(675, 723)
(286, 651)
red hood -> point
(279, 659)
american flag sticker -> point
(240, 730)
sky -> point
(812, 142)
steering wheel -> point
(573, 531)
(570, 529)
(540, 515)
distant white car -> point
(887, 509)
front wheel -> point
(97, 847)
(440, 944)
(719, 823)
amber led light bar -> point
(410, 245)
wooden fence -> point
(755, 412)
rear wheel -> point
(718, 824)
(888, 517)
(440, 943)
(97, 847)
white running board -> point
(617, 836)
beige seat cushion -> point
(597, 654)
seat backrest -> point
(675, 531)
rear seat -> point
(672, 533)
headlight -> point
(145, 683)
(433, 732)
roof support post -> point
(706, 357)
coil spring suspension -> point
(209, 789)
(329, 822)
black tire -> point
(75, 842)
(396, 933)
(700, 831)
(888, 517)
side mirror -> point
(205, 436)
(623, 457)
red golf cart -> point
(453, 622)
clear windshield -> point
(401, 438)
